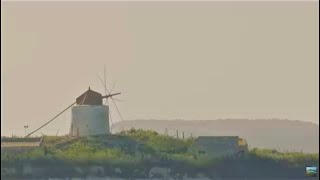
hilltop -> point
(283, 135)
(137, 153)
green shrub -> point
(154, 150)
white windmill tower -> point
(90, 116)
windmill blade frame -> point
(120, 100)
(105, 82)
(108, 93)
(113, 86)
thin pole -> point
(177, 134)
(25, 129)
(50, 120)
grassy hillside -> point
(135, 152)
(282, 135)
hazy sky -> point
(170, 60)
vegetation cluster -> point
(135, 152)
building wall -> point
(215, 146)
(90, 120)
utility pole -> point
(177, 134)
(182, 134)
(25, 129)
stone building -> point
(218, 146)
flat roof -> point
(19, 144)
(218, 136)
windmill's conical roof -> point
(89, 97)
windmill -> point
(89, 115)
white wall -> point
(90, 120)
